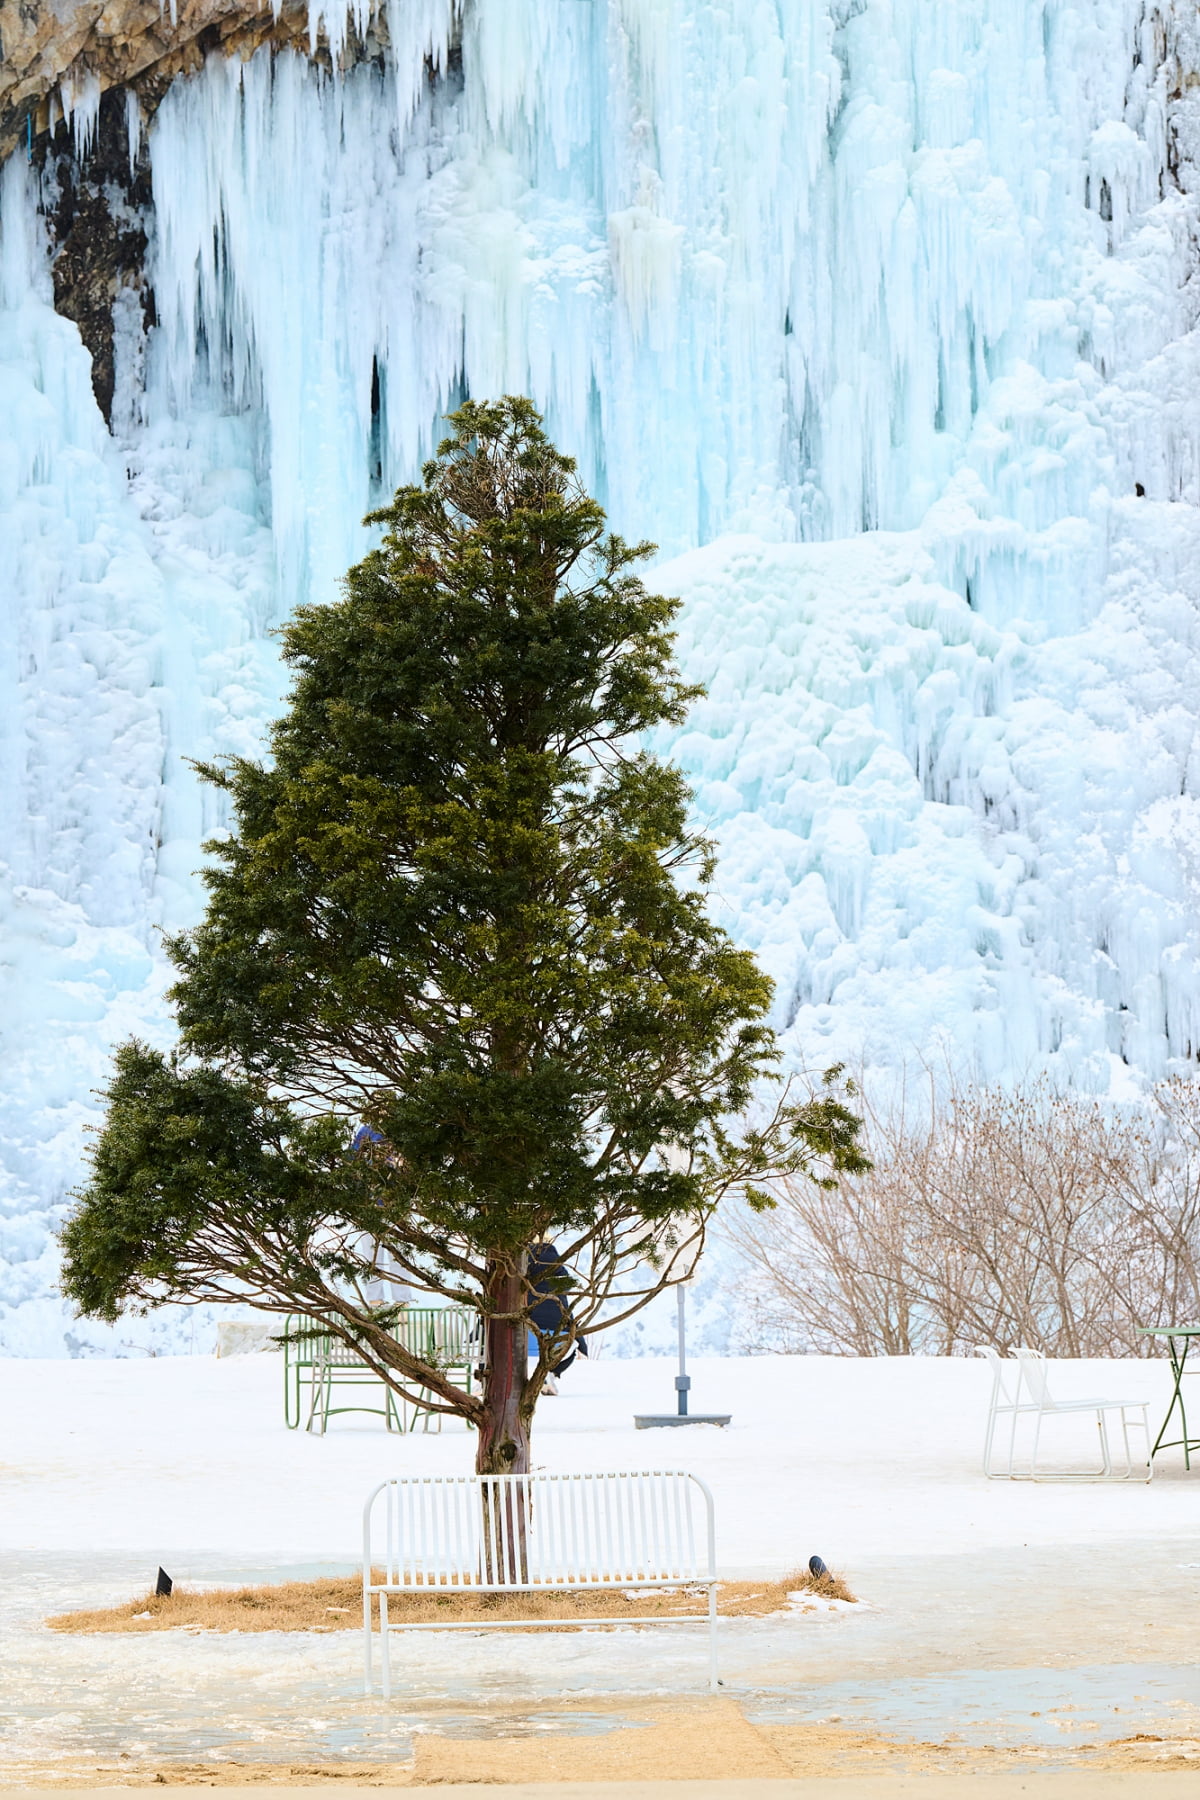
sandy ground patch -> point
(1068, 1784)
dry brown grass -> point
(335, 1604)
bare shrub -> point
(1019, 1216)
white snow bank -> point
(853, 1459)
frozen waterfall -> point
(876, 315)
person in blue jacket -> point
(548, 1276)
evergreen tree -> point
(462, 904)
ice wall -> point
(875, 315)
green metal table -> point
(1179, 1342)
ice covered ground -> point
(992, 1613)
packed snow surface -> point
(858, 1458)
(875, 315)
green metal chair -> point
(300, 1335)
(336, 1367)
(444, 1336)
(321, 1366)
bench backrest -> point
(501, 1532)
(301, 1338)
(1001, 1396)
(441, 1335)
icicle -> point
(419, 32)
(18, 235)
(133, 128)
(646, 253)
(79, 92)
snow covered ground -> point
(856, 1459)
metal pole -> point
(683, 1380)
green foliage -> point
(459, 902)
(196, 1174)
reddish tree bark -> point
(503, 1446)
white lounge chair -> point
(1041, 1406)
(1005, 1402)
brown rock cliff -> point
(98, 206)
(44, 45)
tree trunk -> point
(503, 1446)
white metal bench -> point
(505, 1534)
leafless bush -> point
(990, 1217)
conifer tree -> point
(462, 905)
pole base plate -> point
(647, 1421)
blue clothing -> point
(546, 1274)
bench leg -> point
(322, 1394)
(384, 1651)
(366, 1643)
(713, 1681)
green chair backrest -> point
(441, 1335)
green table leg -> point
(1178, 1360)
